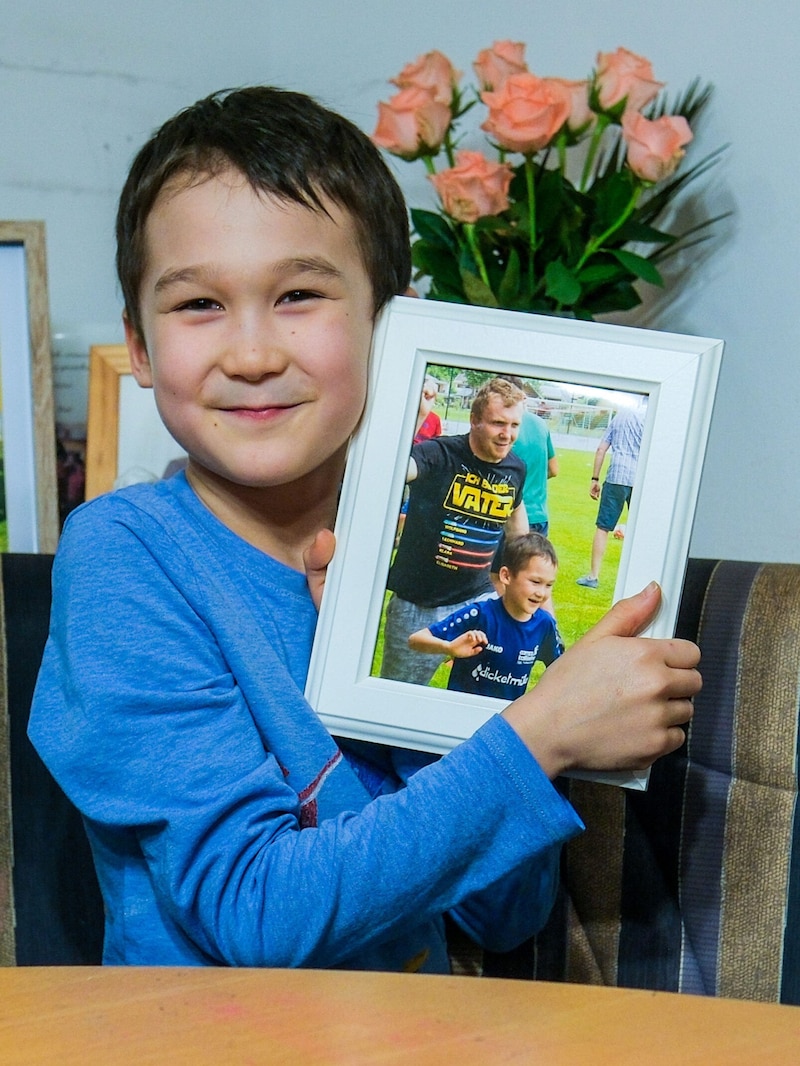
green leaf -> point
(611, 197)
(508, 290)
(638, 265)
(640, 233)
(621, 297)
(477, 291)
(602, 273)
(432, 227)
(445, 296)
(435, 262)
(562, 285)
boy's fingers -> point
(316, 559)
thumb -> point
(629, 616)
(316, 558)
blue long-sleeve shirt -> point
(227, 826)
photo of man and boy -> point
(491, 502)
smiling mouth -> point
(258, 416)
(261, 410)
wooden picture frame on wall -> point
(107, 362)
(28, 418)
(125, 438)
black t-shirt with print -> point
(457, 508)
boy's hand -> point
(316, 559)
(468, 644)
(614, 701)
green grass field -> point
(572, 518)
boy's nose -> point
(254, 353)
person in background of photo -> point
(494, 643)
(624, 438)
(429, 425)
(534, 445)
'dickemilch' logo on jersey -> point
(473, 495)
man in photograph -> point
(624, 439)
(464, 492)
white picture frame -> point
(677, 374)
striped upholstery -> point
(694, 885)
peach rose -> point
(497, 63)
(622, 75)
(432, 71)
(526, 113)
(474, 187)
(655, 147)
(412, 123)
(581, 116)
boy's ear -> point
(504, 574)
(137, 350)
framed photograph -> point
(577, 380)
(28, 493)
(125, 438)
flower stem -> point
(472, 241)
(531, 187)
(429, 164)
(598, 242)
(594, 144)
(561, 146)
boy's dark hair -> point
(519, 550)
(508, 393)
(286, 145)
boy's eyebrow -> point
(314, 265)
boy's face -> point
(525, 591)
(257, 319)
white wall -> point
(83, 84)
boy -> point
(495, 642)
(258, 237)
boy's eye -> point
(297, 296)
(200, 303)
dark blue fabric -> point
(58, 905)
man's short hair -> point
(509, 395)
(286, 145)
(518, 551)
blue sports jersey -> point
(504, 667)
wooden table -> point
(86, 1016)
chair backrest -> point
(50, 906)
(694, 885)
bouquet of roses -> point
(573, 226)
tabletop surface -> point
(133, 1016)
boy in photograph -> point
(494, 643)
(258, 237)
